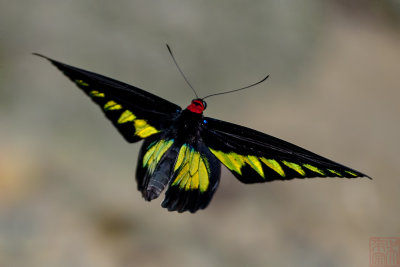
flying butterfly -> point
(183, 150)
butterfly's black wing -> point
(255, 157)
(136, 113)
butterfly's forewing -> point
(255, 157)
(136, 113)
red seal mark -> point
(384, 251)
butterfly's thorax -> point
(187, 126)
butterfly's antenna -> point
(231, 91)
(183, 75)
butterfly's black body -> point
(183, 150)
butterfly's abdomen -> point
(156, 185)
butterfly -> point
(183, 150)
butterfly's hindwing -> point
(195, 179)
(255, 157)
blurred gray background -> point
(67, 190)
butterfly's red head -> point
(197, 106)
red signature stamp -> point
(384, 251)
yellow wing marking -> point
(255, 164)
(126, 116)
(203, 175)
(148, 157)
(314, 169)
(295, 167)
(195, 162)
(231, 160)
(155, 153)
(235, 162)
(351, 173)
(335, 172)
(81, 82)
(143, 129)
(192, 170)
(273, 164)
(181, 157)
(183, 173)
(111, 105)
(96, 93)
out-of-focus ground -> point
(67, 190)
